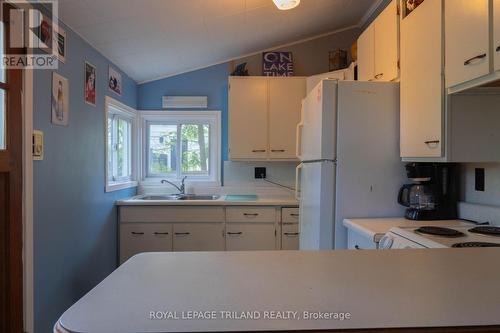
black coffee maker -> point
(434, 192)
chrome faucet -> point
(182, 188)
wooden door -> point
(11, 269)
(386, 44)
(496, 33)
(248, 127)
(285, 105)
(199, 237)
(467, 40)
(422, 101)
(366, 54)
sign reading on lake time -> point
(277, 64)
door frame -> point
(28, 265)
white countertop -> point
(288, 201)
(377, 227)
(379, 289)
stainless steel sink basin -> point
(175, 197)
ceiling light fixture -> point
(286, 4)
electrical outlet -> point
(479, 181)
(260, 173)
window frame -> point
(210, 117)
(124, 112)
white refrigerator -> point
(348, 145)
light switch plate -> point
(38, 145)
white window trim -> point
(211, 116)
(128, 113)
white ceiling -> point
(150, 39)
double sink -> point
(178, 197)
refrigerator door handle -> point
(298, 142)
(297, 181)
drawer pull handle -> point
(434, 143)
(137, 233)
(161, 233)
(278, 150)
(258, 151)
(182, 233)
(248, 214)
(234, 233)
(294, 215)
(471, 60)
(498, 48)
(291, 234)
(379, 76)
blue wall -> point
(75, 221)
(211, 82)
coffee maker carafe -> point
(433, 194)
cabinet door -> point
(289, 236)
(285, 103)
(243, 236)
(467, 40)
(144, 237)
(421, 82)
(248, 128)
(496, 33)
(366, 54)
(386, 44)
(199, 237)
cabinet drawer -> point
(198, 237)
(144, 237)
(250, 236)
(357, 241)
(171, 214)
(290, 236)
(290, 215)
(251, 214)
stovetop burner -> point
(440, 231)
(486, 230)
(475, 244)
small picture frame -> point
(90, 84)
(60, 100)
(115, 81)
(61, 43)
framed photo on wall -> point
(60, 100)
(115, 81)
(90, 83)
(61, 43)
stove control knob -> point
(386, 242)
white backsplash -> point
(239, 178)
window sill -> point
(116, 186)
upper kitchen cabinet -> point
(366, 54)
(378, 47)
(496, 33)
(263, 116)
(386, 44)
(422, 95)
(467, 40)
(285, 101)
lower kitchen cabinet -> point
(198, 237)
(250, 236)
(290, 236)
(144, 237)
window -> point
(120, 154)
(179, 144)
